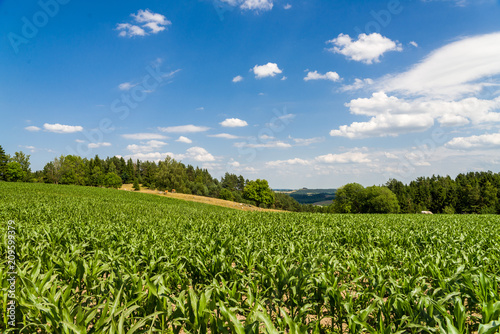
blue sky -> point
(301, 93)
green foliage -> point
(14, 172)
(286, 202)
(379, 200)
(259, 192)
(112, 180)
(3, 163)
(92, 260)
(226, 194)
(348, 199)
(136, 185)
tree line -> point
(475, 192)
(166, 175)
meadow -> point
(92, 260)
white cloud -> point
(475, 142)
(153, 156)
(307, 141)
(183, 139)
(295, 161)
(97, 145)
(358, 84)
(414, 44)
(270, 144)
(268, 70)
(59, 128)
(32, 128)
(129, 30)
(332, 76)
(150, 23)
(367, 49)
(234, 164)
(343, 158)
(144, 136)
(126, 86)
(287, 6)
(146, 147)
(224, 136)
(79, 141)
(266, 137)
(233, 123)
(199, 154)
(391, 116)
(452, 70)
(257, 4)
(284, 78)
(184, 128)
(31, 148)
(238, 78)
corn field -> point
(91, 260)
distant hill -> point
(313, 196)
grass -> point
(93, 260)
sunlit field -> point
(91, 260)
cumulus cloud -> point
(32, 128)
(344, 158)
(367, 49)
(475, 142)
(414, 44)
(199, 154)
(154, 156)
(146, 147)
(224, 136)
(257, 5)
(145, 22)
(332, 76)
(238, 78)
(268, 70)
(287, 6)
(451, 71)
(60, 128)
(184, 128)
(97, 145)
(233, 123)
(391, 116)
(183, 139)
(144, 136)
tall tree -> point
(259, 191)
(3, 163)
(24, 161)
(348, 199)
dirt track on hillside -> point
(200, 199)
